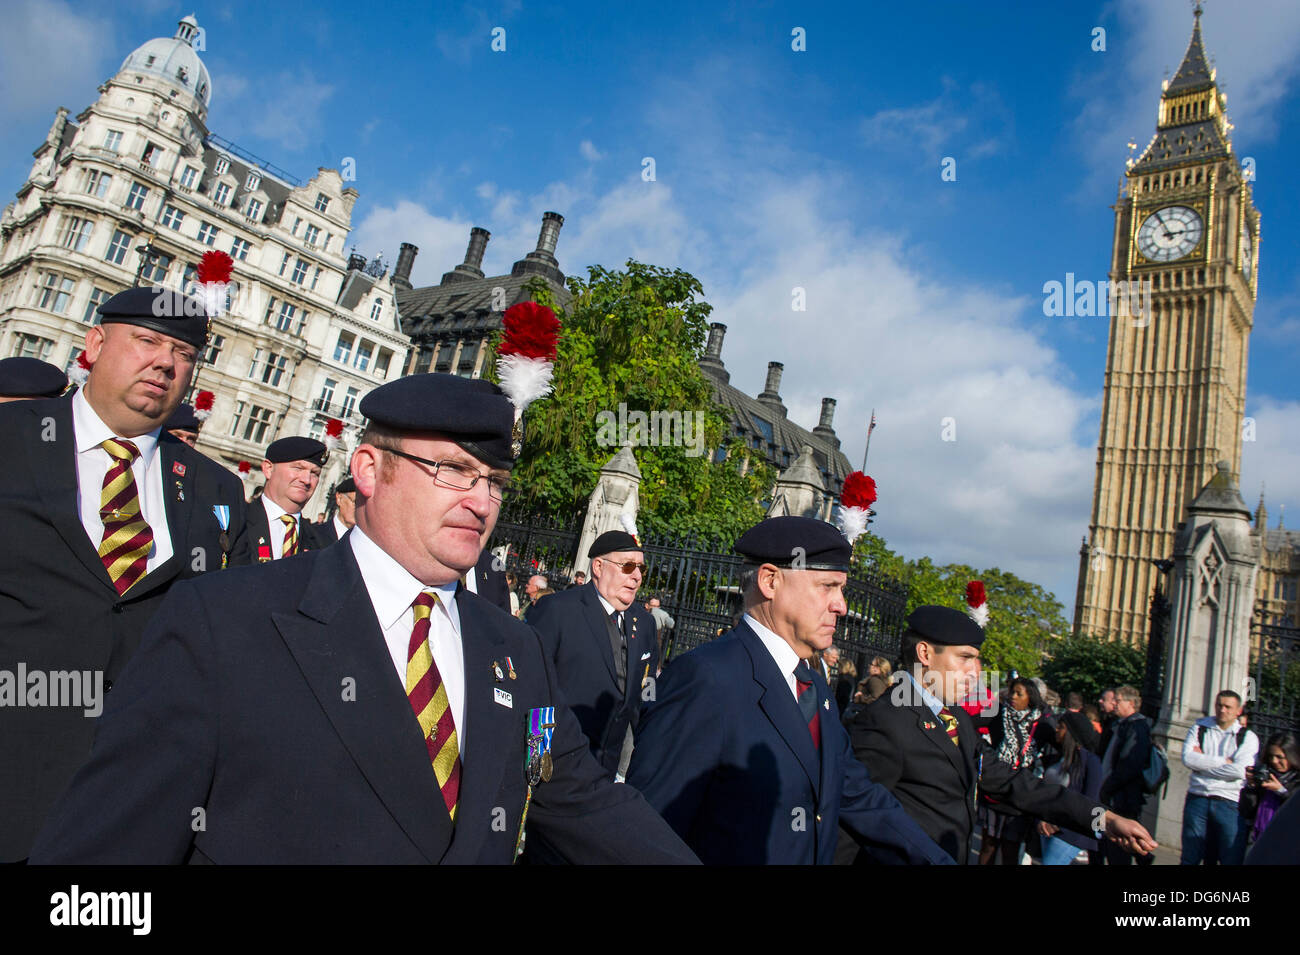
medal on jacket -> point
(541, 724)
(222, 513)
(497, 673)
(510, 669)
(263, 550)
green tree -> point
(1090, 664)
(633, 339)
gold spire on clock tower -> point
(1186, 239)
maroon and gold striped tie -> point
(428, 696)
(949, 724)
(127, 539)
(290, 535)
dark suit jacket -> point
(572, 625)
(906, 748)
(257, 533)
(490, 583)
(263, 722)
(58, 609)
(1122, 788)
(725, 756)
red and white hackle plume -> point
(526, 357)
(203, 405)
(245, 467)
(333, 434)
(977, 604)
(214, 274)
(80, 370)
(854, 512)
(629, 525)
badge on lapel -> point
(263, 551)
(178, 468)
(510, 669)
(928, 725)
(180, 490)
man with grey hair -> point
(1126, 756)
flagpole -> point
(871, 427)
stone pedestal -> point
(799, 490)
(616, 493)
(1212, 597)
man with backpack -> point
(1218, 750)
(1127, 765)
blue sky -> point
(777, 169)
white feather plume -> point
(852, 521)
(979, 614)
(214, 298)
(629, 524)
(524, 380)
(78, 373)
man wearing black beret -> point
(184, 424)
(603, 644)
(276, 527)
(925, 748)
(103, 511)
(23, 378)
(742, 750)
(356, 704)
(345, 511)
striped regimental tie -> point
(127, 539)
(949, 724)
(428, 696)
(290, 535)
(803, 681)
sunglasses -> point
(628, 566)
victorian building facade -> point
(134, 191)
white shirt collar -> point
(274, 511)
(784, 655)
(391, 587)
(609, 607)
(339, 527)
(90, 431)
(933, 702)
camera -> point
(1262, 775)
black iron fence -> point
(538, 544)
(1275, 670)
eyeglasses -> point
(628, 566)
(459, 477)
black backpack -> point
(1200, 736)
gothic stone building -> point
(135, 191)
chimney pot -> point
(405, 262)
(478, 240)
(828, 414)
(773, 386)
(550, 234)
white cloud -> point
(944, 123)
(441, 240)
(51, 55)
(589, 152)
(1273, 458)
(286, 110)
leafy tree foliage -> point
(1091, 664)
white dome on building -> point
(173, 59)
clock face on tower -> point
(1170, 233)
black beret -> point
(297, 449)
(30, 378)
(801, 543)
(161, 309)
(183, 419)
(945, 626)
(611, 541)
(346, 486)
(471, 412)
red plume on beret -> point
(859, 491)
(80, 370)
(245, 467)
(334, 427)
(532, 331)
(977, 602)
(203, 405)
(216, 267)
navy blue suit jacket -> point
(725, 756)
(262, 721)
(572, 625)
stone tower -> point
(1184, 266)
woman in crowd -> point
(1271, 783)
(1077, 767)
(877, 682)
(1012, 736)
(845, 683)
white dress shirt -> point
(93, 462)
(392, 591)
(609, 609)
(277, 529)
(787, 661)
(1219, 769)
(339, 527)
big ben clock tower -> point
(1185, 250)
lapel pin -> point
(826, 704)
(178, 468)
(929, 726)
(496, 671)
(510, 668)
(180, 491)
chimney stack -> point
(824, 429)
(550, 234)
(472, 267)
(771, 393)
(542, 261)
(405, 261)
(711, 363)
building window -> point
(299, 272)
(213, 351)
(350, 402)
(284, 263)
(284, 321)
(223, 164)
(76, 235)
(155, 269)
(112, 140)
(382, 362)
(468, 357)
(173, 217)
(138, 194)
(364, 352)
(97, 183)
(56, 292)
(117, 249)
(422, 361)
(151, 154)
(322, 202)
(296, 222)
(271, 371)
(343, 350)
(221, 195)
(310, 235)
(97, 298)
(234, 423)
(189, 177)
(302, 323)
(259, 419)
(207, 233)
(30, 346)
(445, 351)
(254, 210)
(377, 309)
(315, 278)
(252, 182)
(239, 249)
(327, 394)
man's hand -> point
(1129, 833)
(1047, 829)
